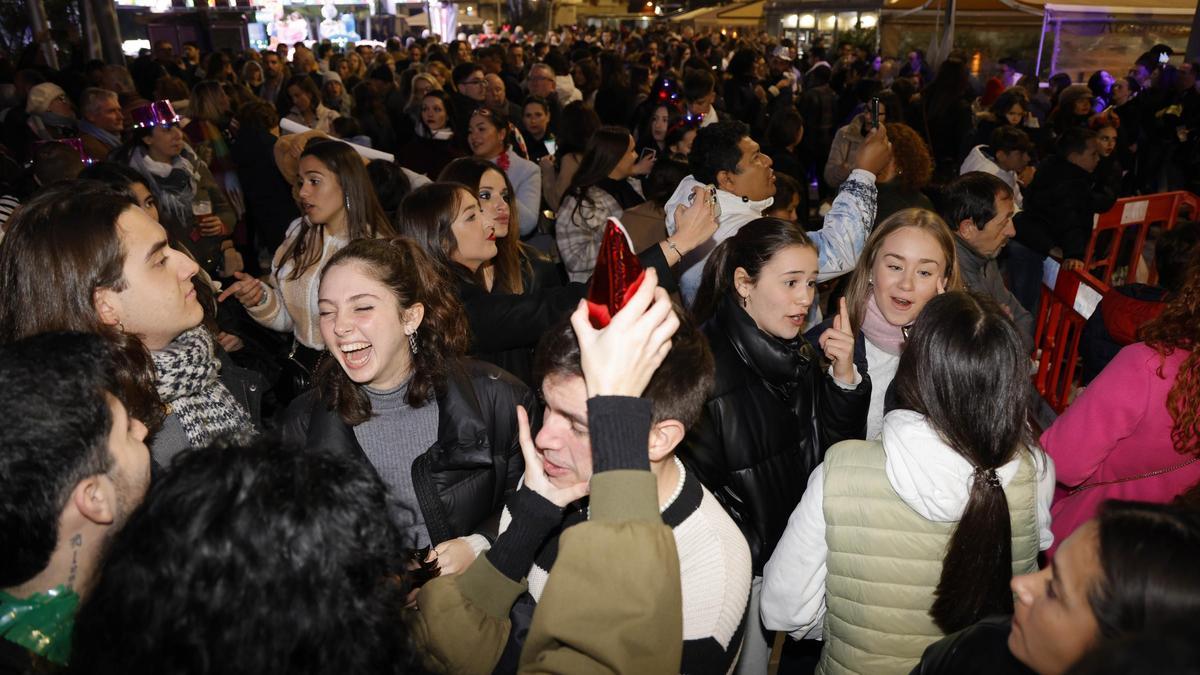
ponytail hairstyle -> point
(750, 249)
(964, 369)
(60, 248)
(511, 262)
(365, 218)
(443, 336)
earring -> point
(744, 301)
(120, 326)
(412, 342)
(347, 203)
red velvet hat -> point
(617, 275)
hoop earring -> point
(412, 342)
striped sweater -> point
(714, 562)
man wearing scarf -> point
(102, 123)
(75, 466)
(51, 116)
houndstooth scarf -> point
(189, 382)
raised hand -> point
(695, 224)
(249, 291)
(838, 344)
(620, 359)
(875, 153)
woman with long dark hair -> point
(1134, 433)
(1130, 572)
(338, 204)
(438, 429)
(517, 267)
(435, 144)
(445, 219)
(958, 499)
(774, 408)
(600, 190)
(490, 136)
(652, 132)
(306, 106)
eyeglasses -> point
(474, 82)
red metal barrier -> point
(1061, 315)
(1132, 215)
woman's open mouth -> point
(356, 354)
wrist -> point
(620, 431)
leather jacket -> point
(462, 480)
(773, 413)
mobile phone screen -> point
(875, 113)
(551, 145)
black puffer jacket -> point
(462, 480)
(981, 649)
(772, 415)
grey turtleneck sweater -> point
(392, 439)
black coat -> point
(1059, 206)
(540, 275)
(501, 323)
(981, 649)
(772, 415)
(462, 480)
(270, 207)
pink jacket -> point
(1119, 427)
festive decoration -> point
(617, 276)
(75, 143)
(158, 113)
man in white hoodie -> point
(724, 156)
(1005, 157)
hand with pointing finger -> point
(248, 290)
(838, 344)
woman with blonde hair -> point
(909, 259)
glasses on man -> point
(474, 82)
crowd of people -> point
(622, 351)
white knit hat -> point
(41, 96)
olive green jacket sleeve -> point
(612, 605)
